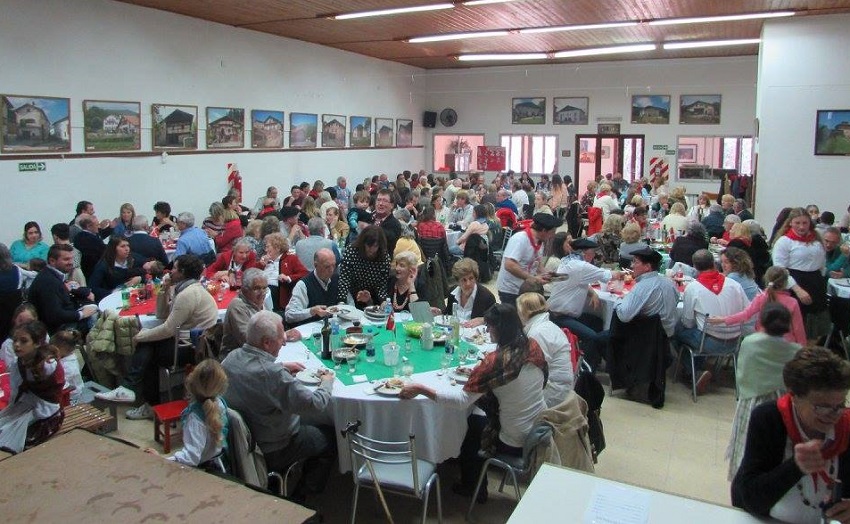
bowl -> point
(375, 313)
(413, 329)
(355, 340)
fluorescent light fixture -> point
(503, 56)
(554, 29)
(637, 48)
(710, 43)
(722, 18)
(396, 11)
(456, 36)
(484, 2)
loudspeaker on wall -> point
(429, 119)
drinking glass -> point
(352, 365)
(471, 353)
(407, 370)
(337, 358)
(445, 362)
(317, 336)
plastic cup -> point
(391, 355)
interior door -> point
(603, 154)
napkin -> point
(359, 378)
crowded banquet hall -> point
(475, 257)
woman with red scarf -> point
(799, 250)
(797, 447)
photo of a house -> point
(225, 127)
(111, 125)
(383, 132)
(266, 129)
(528, 111)
(651, 109)
(303, 129)
(174, 127)
(570, 111)
(699, 109)
(361, 131)
(34, 124)
(404, 132)
(333, 131)
(832, 133)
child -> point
(66, 342)
(36, 413)
(205, 419)
(358, 216)
(22, 314)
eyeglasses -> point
(259, 289)
(825, 410)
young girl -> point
(36, 413)
(205, 419)
(22, 314)
(66, 342)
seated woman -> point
(798, 446)
(337, 228)
(631, 242)
(118, 268)
(162, 220)
(407, 239)
(472, 298)
(254, 237)
(404, 286)
(743, 237)
(700, 210)
(540, 205)
(365, 269)
(759, 373)
(609, 239)
(684, 247)
(675, 221)
(30, 246)
(230, 264)
(507, 386)
(282, 270)
(223, 226)
(738, 266)
(478, 226)
(122, 225)
(534, 314)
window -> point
(709, 157)
(457, 153)
(537, 154)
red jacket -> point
(292, 267)
(222, 263)
(232, 232)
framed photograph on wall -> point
(266, 129)
(110, 125)
(699, 109)
(333, 131)
(303, 130)
(832, 132)
(225, 128)
(403, 132)
(570, 111)
(651, 109)
(35, 124)
(608, 129)
(528, 110)
(687, 153)
(174, 127)
(360, 128)
(384, 132)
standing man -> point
(383, 217)
(343, 196)
(52, 299)
(314, 293)
(522, 257)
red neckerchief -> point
(831, 450)
(601, 194)
(808, 239)
(747, 241)
(712, 280)
(536, 247)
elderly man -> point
(84, 207)
(461, 214)
(306, 249)
(184, 304)
(831, 238)
(272, 402)
(712, 294)
(314, 293)
(383, 217)
(522, 257)
(271, 193)
(451, 191)
(653, 294)
(52, 298)
(193, 240)
(290, 227)
(713, 222)
(143, 246)
(250, 300)
(740, 209)
(504, 201)
(89, 242)
(343, 196)
(570, 295)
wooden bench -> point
(88, 417)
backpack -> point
(587, 386)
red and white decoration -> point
(658, 167)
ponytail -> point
(213, 417)
(775, 281)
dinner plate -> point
(308, 376)
(479, 339)
(460, 378)
(443, 320)
(390, 392)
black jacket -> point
(483, 300)
(147, 248)
(392, 229)
(52, 300)
(91, 249)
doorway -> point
(603, 154)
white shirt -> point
(793, 254)
(272, 271)
(464, 312)
(298, 308)
(607, 204)
(556, 348)
(198, 447)
(678, 223)
(520, 198)
(569, 296)
(519, 250)
(699, 298)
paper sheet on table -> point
(616, 505)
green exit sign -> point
(32, 166)
(658, 147)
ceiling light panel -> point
(396, 11)
(722, 18)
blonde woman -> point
(676, 220)
(403, 287)
(631, 241)
(700, 210)
(534, 314)
(605, 200)
(123, 224)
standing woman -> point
(799, 250)
(559, 199)
(123, 225)
(365, 268)
(30, 246)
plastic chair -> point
(728, 336)
(391, 467)
(507, 233)
(540, 435)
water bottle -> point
(148, 287)
(427, 339)
(125, 297)
(455, 325)
(388, 307)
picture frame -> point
(570, 111)
(608, 129)
(360, 130)
(699, 109)
(832, 132)
(225, 128)
(651, 109)
(586, 156)
(303, 130)
(111, 125)
(333, 130)
(35, 124)
(384, 132)
(606, 152)
(403, 132)
(530, 111)
(174, 127)
(266, 129)
(687, 153)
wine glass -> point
(317, 335)
(337, 358)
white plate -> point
(458, 377)
(307, 376)
(443, 320)
(390, 392)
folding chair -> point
(728, 336)
(506, 235)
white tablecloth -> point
(839, 287)
(608, 301)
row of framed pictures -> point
(646, 109)
(37, 124)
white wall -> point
(482, 98)
(104, 50)
(803, 66)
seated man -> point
(61, 233)
(52, 299)
(188, 306)
(569, 297)
(306, 249)
(271, 401)
(144, 247)
(250, 300)
(89, 242)
(461, 214)
(313, 294)
(193, 240)
(710, 294)
(653, 293)
(504, 201)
